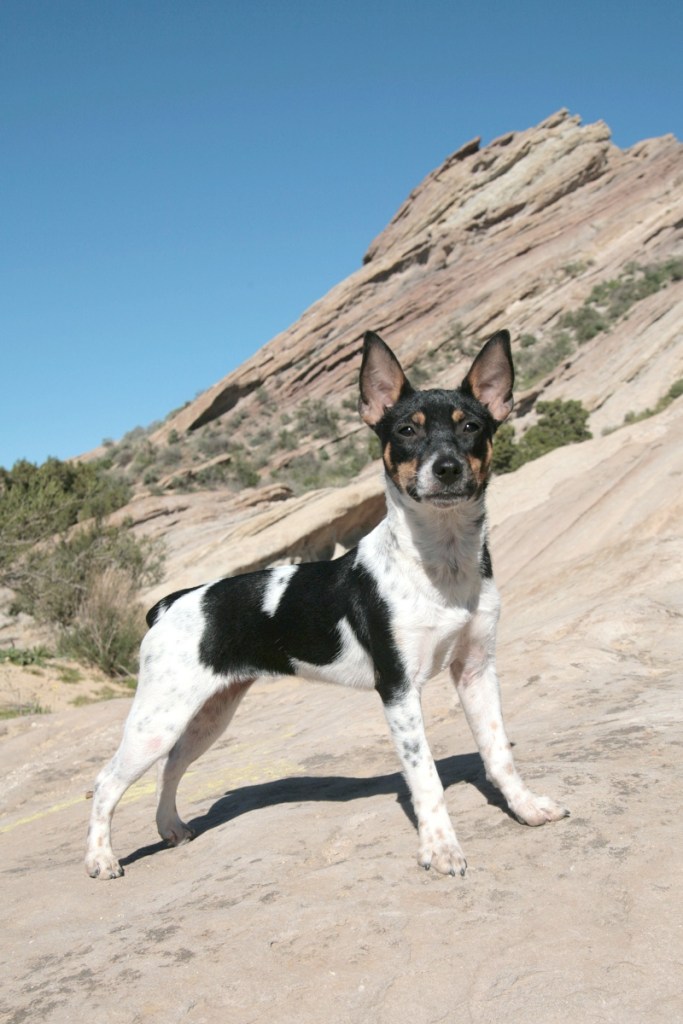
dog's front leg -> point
(438, 845)
(476, 681)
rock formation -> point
(509, 234)
(302, 882)
(517, 233)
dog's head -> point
(437, 444)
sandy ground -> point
(301, 900)
(53, 685)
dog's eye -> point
(471, 427)
(406, 430)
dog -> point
(414, 598)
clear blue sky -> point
(180, 180)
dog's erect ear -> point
(382, 381)
(492, 376)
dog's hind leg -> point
(204, 729)
(143, 743)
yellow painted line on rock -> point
(41, 814)
(253, 772)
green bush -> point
(560, 423)
(504, 450)
(326, 468)
(314, 416)
(534, 362)
(51, 579)
(585, 322)
(39, 500)
(611, 300)
(527, 340)
(54, 561)
(26, 656)
(607, 303)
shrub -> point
(674, 392)
(418, 375)
(52, 559)
(244, 471)
(36, 500)
(576, 268)
(109, 624)
(504, 450)
(611, 300)
(585, 322)
(534, 362)
(560, 423)
(287, 440)
(314, 416)
(52, 579)
(608, 302)
(326, 468)
(26, 656)
(304, 473)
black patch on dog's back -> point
(239, 637)
(161, 606)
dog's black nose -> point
(446, 469)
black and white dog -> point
(415, 597)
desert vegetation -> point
(319, 441)
(67, 566)
(608, 303)
(560, 423)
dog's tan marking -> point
(481, 467)
(404, 474)
(476, 467)
(419, 418)
(457, 415)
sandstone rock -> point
(304, 865)
(482, 243)
(514, 234)
(303, 869)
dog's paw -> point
(103, 867)
(176, 834)
(444, 855)
(538, 810)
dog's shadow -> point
(333, 788)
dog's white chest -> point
(427, 613)
(427, 639)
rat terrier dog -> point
(415, 597)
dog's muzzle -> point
(444, 480)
